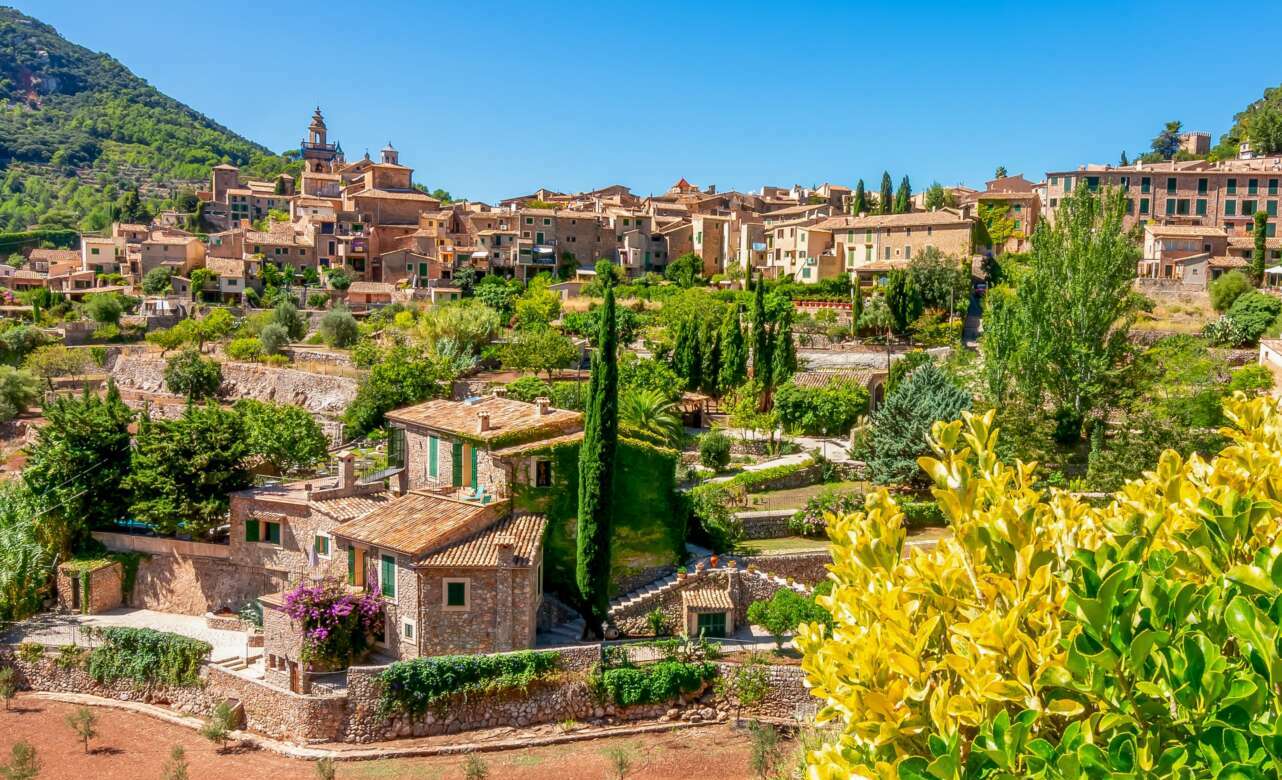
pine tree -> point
(887, 195)
(904, 198)
(1123, 161)
(859, 204)
(1000, 173)
(734, 353)
(900, 427)
(1261, 244)
(596, 476)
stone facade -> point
(102, 592)
(194, 585)
(766, 524)
(807, 568)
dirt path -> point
(134, 747)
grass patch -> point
(780, 546)
(796, 498)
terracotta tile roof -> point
(706, 598)
(351, 507)
(419, 522)
(371, 288)
(507, 416)
(1006, 195)
(226, 266)
(395, 195)
(1248, 242)
(481, 549)
(915, 219)
(882, 265)
(863, 377)
(802, 209)
(1192, 231)
(55, 255)
(1229, 262)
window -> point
(543, 473)
(262, 531)
(387, 576)
(1182, 206)
(1201, 207)
(711, 624)
(1252, 186)
(272, 535)
(1145, 184)
(1230, 208)
(320, 543)
(547, 221)
(1143, 205)
(1248, 208)
(529, 220)
(407, 629)
(1170, 184)
(1273, 186)
(93, 251)
(1068, 184)
(455, 594)
(433, 449)
(1271, 208)
(456, 464)
(251, 530)
(1170, 205)
(1201, 186)
(1231, 186)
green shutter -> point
(474, 468)
(389, 576)
(433, 445)
(273, 533)
(251, 530)
(456, 461)
(351, 565)
(456, 594)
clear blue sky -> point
(491, 99)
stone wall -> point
(194, 585)
(808, 568)
(633, 619)
(320, 394)
(766, 524)
(104, 591)
(277, 712)
(787, 697)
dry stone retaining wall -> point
(808, 568)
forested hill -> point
(77, 129)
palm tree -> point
(649, 413)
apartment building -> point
(1224, 194)
(871, 246)
(1021, 209)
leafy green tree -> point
(401, 378)
(539, 349)
(1000, 173)
(538, 307)
(942, 280)
(937, 197)
(338, 279)
(640, 373)
(157, 281)
(734, 352)
(826, 410)
(130, 208)
(469, 324)
(596, 477)
(274, 339)
(1254, 313)
(214, 326)
(84, 724)
(903, 298)
(1167, 142)
(183, 470)
(1000, 343)
(900, 426)
(1260, 252)
(859, 202)
(876, 317)
(192, 375)
(497, 293)
(18, 390)
(338, 328)
(650, 414)
(904, 197)
(30, 538)
(784, 611)
(105, 308)
(685, 271)
(284, 435)
(200, 279)
(1227, 289)
(78, 463)
(886, 202)
(287, 317)
(687, 356)
(1073, 306)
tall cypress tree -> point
(859, 203)
(783, 353)
(887, 195)
(710, 354)
(760, 335)
(1261, 245)
(596, 475)
(904, 198)
(734, 353)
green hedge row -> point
(411, 687)
(147, 657)
(654, 684)
(13, 242)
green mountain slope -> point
(1260, 123)
(77, 129)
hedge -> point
(654, 684)
(147, 657)
(411, 687)
(13, 242)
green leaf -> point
(1253, 577)
(913, 768)
(1143, 644)
(1253, 627)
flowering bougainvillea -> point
(337, 621)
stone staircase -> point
(569, 632)
(237, 663)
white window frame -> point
(328, 546)
(445, 594)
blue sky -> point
(491, 99)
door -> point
(712, 624)
(75, 593)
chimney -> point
(544, 405)
(505, 546)
(346, 469)
(482, 422)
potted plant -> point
(681, 573)
(712, 562)
(732, 564)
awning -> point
(544, 250)
(1277, 269)
(480, 254)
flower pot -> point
(713, 561)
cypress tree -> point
(1261, 244)
(760, 335)
(1123, 161)
(710, 368)
(859, 204)
(887, 196)
(904, 198)
(734, 353)
(596, 476)
(783, 352)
